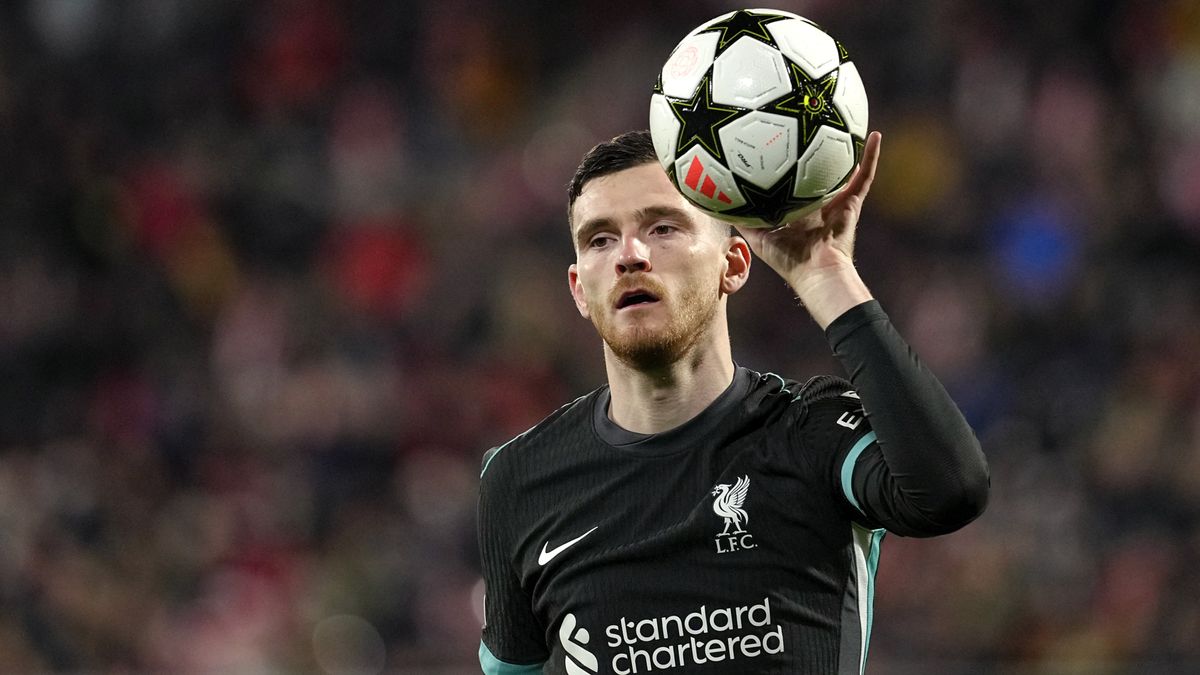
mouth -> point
(636, 297)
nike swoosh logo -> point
(547, 556)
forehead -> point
(618, 195)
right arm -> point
(512, 641)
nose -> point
(634, 256)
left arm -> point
(925, 473)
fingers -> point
(855, 192)
(864, 174)
(843, 209)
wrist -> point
(830, 292)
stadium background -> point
(274, 274)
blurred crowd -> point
(275, 273)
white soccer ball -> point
(759, 117)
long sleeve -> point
(923, 472)
(512, 641)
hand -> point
(815, 255)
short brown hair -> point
(630, 149)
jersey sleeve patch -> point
(847, 473)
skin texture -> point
(668, 359)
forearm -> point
(930, 475)
(830, 292)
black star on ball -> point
(843, 55)
(699, 118)
(771, 205)
(744, 22)
(811, 102)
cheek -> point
(588, 285)
(704, 268)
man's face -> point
(650, 267)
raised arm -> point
(920, 471)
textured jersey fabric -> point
(743, 541)
(927, 474)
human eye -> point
(662, 227)
(600, 241)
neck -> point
(650, 400)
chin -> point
(654, 342)
(645, 348)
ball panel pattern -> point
(707, 182)
(850, 99)
(760, 147)
(688, 64)
(759, 117)
(825, 163)
(749, 73)
(664, 130)
(812, 49)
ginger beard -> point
(644, 346)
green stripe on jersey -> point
(872, 568)
(867, 544)
(848, 468)
(494, 666)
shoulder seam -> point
(492, 454)
(821, 384)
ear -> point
(577, 291)
(737, 265)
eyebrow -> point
(592, 225)
(588, 228)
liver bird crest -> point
(728, 504)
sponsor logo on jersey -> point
(546, 556)
(706, 635)
(728, 503)
(579, 661)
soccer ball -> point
(759, 117)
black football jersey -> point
(731, 544)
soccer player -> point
(694, 515)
